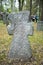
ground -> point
(36, 42)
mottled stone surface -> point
(20, 28)
(40, 26)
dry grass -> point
(36, 45)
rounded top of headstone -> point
(22, 16)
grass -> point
(36, 42)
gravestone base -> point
(40, 26)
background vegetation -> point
(35, 6)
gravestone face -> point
(20, 28)
(40, 26)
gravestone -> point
(20, 28)
(40, 26)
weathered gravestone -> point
(40, 26)
(20, 28)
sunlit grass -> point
(37, 36)
(4, 37)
